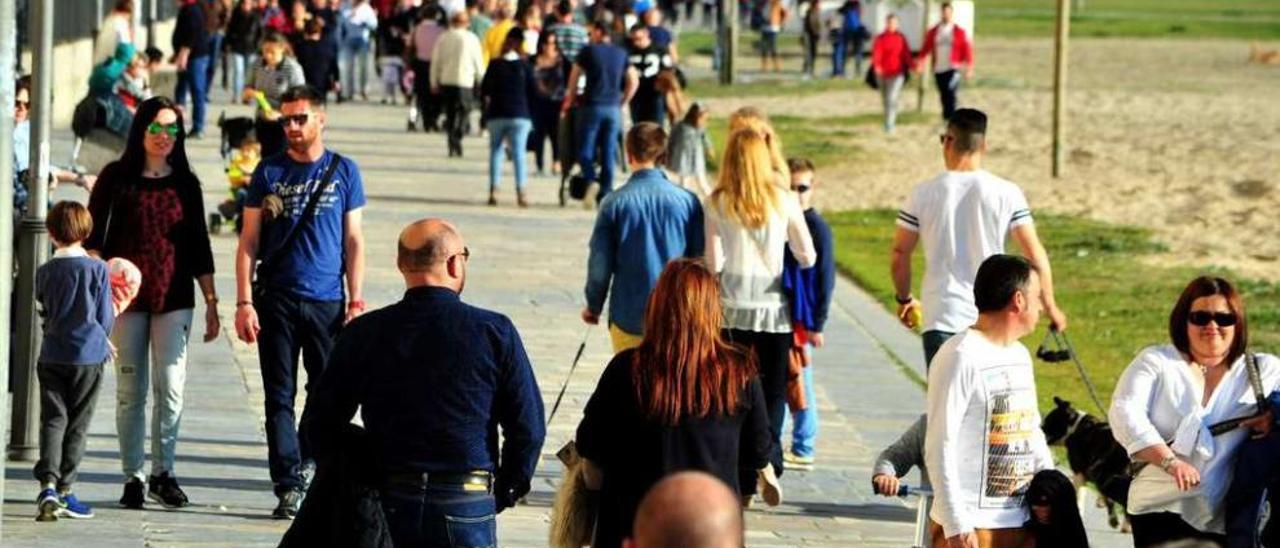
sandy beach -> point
(1182, 137)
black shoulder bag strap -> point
(1255, 383)
(267, 261)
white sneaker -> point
(770, 489)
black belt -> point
(470, 481)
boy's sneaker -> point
(290, 502)
(48, 503)
(134, 494)
(73, 508)
(797, 462)
(164, 490)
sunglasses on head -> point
(156, 127)
(300, 119)
(1201, 318)
(22, 104)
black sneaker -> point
(133, 494)
(164, 490)
(290, 502)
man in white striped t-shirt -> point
(962, 216)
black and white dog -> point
(1094, 455)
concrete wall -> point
(73, 63)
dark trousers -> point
(194, 80)
(772, 351)
(948, 83)
(68, 394)
(546, 120)
(291, 326)
(811, 53)
(847, 39)
(649, 109)
(270, 136)
(457, 105)
(441, 516)
(1163, 527)
(933, 340)
(427, 104)
(1257, 470)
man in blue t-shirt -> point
(294, 301)
(609, 84)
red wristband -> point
(357, 304)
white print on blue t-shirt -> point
(312, 266)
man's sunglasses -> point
(1202, 318)
(300, 119)
(156, 128)
(22, 104)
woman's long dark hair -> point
(1065, 528)
(135, 154)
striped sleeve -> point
(908, 221)
(1021, 212)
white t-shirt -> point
(115, 30)
(983, 443)
(942, 44)
(962, 217)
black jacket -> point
(244, 32)
(342, 507)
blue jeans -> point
(933, 340)
(1257, 470)
(291, 326)
(599, 127)
(440, 516)
(804, 423)
(845, 39)
(516, 132)
(240, 63)
(354, 66)
(194, 80)
(215, 56)
(151, 356)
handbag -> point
(1152, 489)
(268, 260)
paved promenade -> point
(529, 264)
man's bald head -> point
(689, 510)
(427, 244)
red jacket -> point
(890, 54)
(961, 48)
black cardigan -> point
(507, 87)
(120, 229)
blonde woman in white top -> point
(749, 220)
(1164, 404)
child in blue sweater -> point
(74, 294)
(810, 290)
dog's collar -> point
(1074, 425)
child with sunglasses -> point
(810, 292)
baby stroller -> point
(97, 144)
(234, 131)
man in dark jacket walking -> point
(435, 379)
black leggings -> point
(772, 351)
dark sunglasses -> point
(803, 188)
(942, 139)
(22, 104)
(300, 119)
(156, 127)
(1201, 318)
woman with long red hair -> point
(685, 399)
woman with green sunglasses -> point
(148, 208)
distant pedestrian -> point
(356, 58)
(570, 36)
(152, 213)
(660, 33)
(496, 36)
(301, 240)
(688, 510)
(812, 27)
(393, 40)
(244, 32)
(750, 219)
(74, 294)
(480, 21)
(317, 56)
(648, 60)
(549, 74)
(775, 16)
(639, 229)
(191, 57)
(273, 74)
(609, 84)
(116, 28)
(891, 61)
(422, 44)
(962, 216)
(685, 399)
(689, 148)
(983, 442)
(949, 51)
(457, 70)
(436, 381)
(811, 290)
(217, 13)
(507, 90)
(848, 36)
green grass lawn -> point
(827, 142)
(1116, 305)
(1242, 19)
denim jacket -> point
(640, 227)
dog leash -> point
(1066, 352)
(576, 358)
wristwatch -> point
(907, 300)
(1167, 462)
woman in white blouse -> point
(749, 219)
(1165, 402)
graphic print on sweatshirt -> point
(1011, 424)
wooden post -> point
(1060, 83)
(728, 36)
(920, 78)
